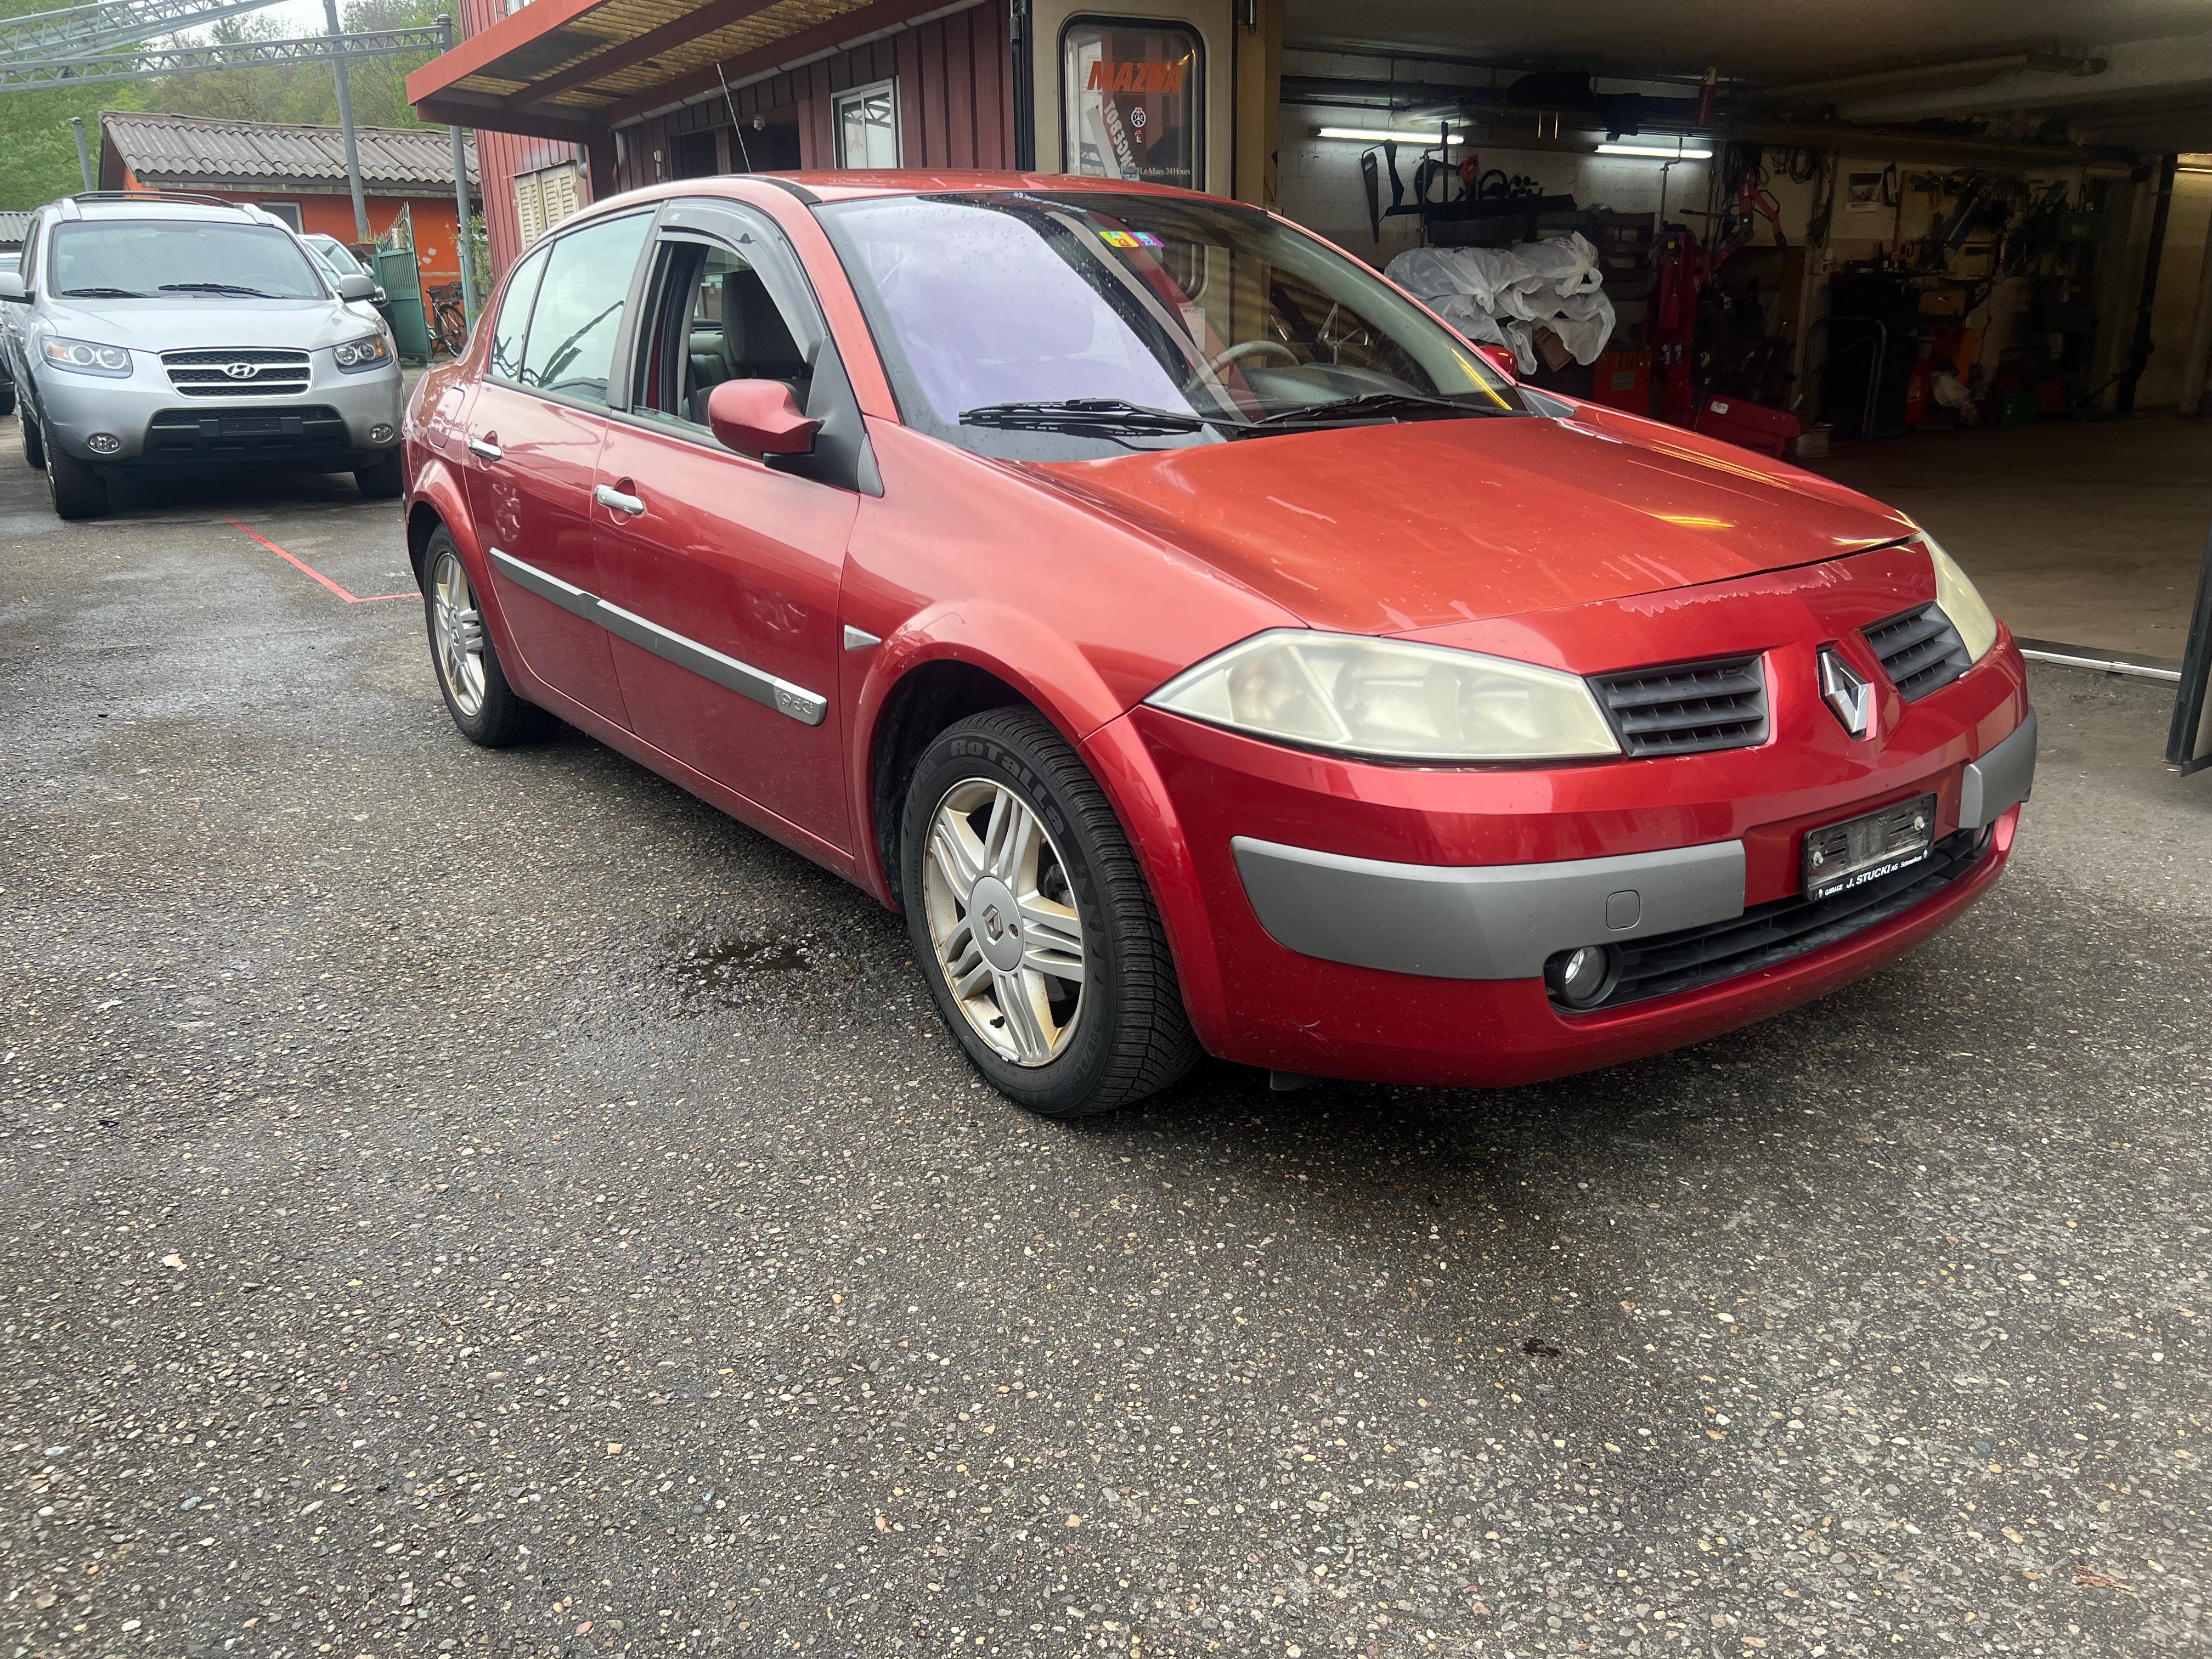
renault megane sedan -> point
(1204, 646)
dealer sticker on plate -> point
(1859, 850)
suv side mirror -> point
(356, 287)
(12, 291)
(759, 418)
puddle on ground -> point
(718, 968)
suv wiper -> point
(103, 294)
(1103, 417)
(1378, 405)
(217, 288)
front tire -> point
(78, 491)
(484, 707)
(1032, 922)
(384, 481)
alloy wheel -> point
(457, 634)
(1003, 920)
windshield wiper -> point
(217, 288)
(1103, 417)
(103, 293)
(1380, 407)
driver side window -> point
(715, 320)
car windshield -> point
(337, 255)
(148, 256)
(1043, 326)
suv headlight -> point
(85, 357)
(1957, 599)
(1391, 699)
(371, 352)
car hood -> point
(167, 324)
(1387, 529)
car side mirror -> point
(12, 291)
(355, 286)
(759, 418)
(1500, 358)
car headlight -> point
(370, 353)
(1391, 699)
(1957, 599)
(84, 357)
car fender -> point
(437, 485)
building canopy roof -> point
(191, 152)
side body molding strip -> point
(796, 701)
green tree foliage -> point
(38, 152)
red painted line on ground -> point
(301, 564)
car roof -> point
(139, 204)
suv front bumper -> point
(332, 425)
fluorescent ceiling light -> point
(1658, 152)
(1378, 135)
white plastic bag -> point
(1498, 296)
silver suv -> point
(169, 333)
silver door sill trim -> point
(795, 702)
(1480, 922)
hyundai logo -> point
(1847, 692)
(240, 371)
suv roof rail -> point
(192, 196)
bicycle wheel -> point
(453, 328)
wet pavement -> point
(459, 1202)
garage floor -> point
(456, 1202)
(2088, 534)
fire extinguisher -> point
(1915, 393)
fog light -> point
(1580, 977)
(380, 435)
(104, 443)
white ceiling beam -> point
(2134, 67)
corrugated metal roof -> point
(14, 228)
(184, 151)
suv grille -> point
(1920, 651)
(1766, 935)
(206, 374)
(1687, 709)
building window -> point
(542, 199)
(288, 211)
(867, 126)
(1132, 101)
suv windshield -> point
(146, 257)
(335, 254)
(1057, 327)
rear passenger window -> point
(514, 318)
(571, 346)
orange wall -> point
(436, 255)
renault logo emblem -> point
(1848, 692)
(240, 371)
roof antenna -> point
(730, 104)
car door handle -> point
(608, 495)
(485, 447)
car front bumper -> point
(1342, 919)
(146, 424)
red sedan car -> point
(1200, 642)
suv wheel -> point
(78, 491)
(34, 452)
(384, 481)
(483, 704)
(1032, 923)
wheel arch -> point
(930, 696)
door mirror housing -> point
(1500, 358)
(355, 286)
(759, 418)
(12, 291)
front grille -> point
(177, 435)
(1920, 651)
(204, 374)
(1768, 934)
(1690, 708)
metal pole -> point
(345, 123)
(83, 158)
(464, 241)
(2200, 335)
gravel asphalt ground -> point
(460, 1202)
